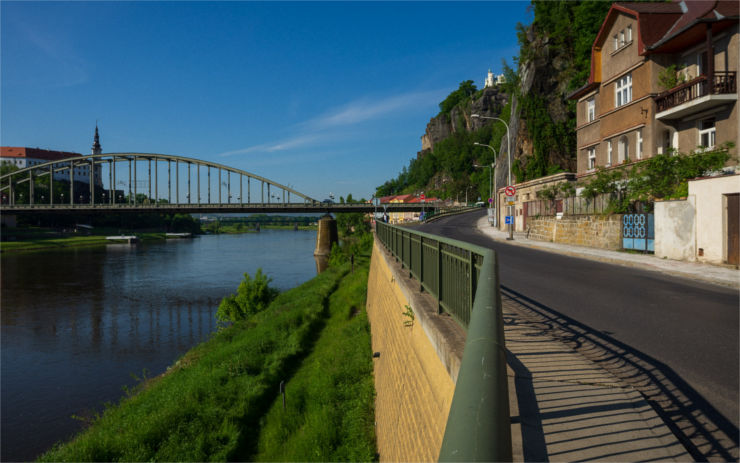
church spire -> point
(96, 142)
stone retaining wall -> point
(596, 231)
(413, 386)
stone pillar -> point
(326, 235)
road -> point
(682, 326)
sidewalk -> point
(708, 273)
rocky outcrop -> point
(489, 103)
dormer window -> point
(622, 38)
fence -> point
(574, 205)
(464, 279)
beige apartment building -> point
(624, 112)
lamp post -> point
(508, 142)
(490, 185)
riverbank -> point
(221, 400)
(43, 243)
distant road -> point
(689, 326)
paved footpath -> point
(716, 274)
(564, 405)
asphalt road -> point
(689, 326)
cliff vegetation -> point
(554, 59)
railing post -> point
(471, 282)
(421, 264)
(439, 277)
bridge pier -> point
(326, 235)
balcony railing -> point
(724, 82)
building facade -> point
(663, 77)
(23, 157)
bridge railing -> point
(464, 279)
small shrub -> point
(252, 296)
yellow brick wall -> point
(414, 391)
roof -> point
(664, 27)
(35, 153)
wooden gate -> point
(733, 229)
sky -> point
(328, 97)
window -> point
(591, 105)
(609, 153)
(667, 142)
(623, 94)
(639, 144)
(591, 157)
(707, 133)
(621, 38)
(624, 149)
(629, 34)
(616, 43)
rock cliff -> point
(490, 102)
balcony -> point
(697, 95)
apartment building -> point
(663, 76)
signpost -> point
(510, 200)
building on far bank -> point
(23, 157)
(663, 76)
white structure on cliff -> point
(492, 79)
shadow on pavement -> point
(701, 428)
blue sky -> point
(326, 97)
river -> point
(78, 325)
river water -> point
(79, 324)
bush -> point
(252, 296)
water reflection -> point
(322, 262)
(77, 324)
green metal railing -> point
(464, 279)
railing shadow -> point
(698, 425)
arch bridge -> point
(149, 182)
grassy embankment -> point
(221, 400)
(44, 243)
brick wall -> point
(595, 231)
(413, 388)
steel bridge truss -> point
(158, 189)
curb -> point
(612, 260)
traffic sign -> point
(490, 200)
(510, 191)
(509, 219)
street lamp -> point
(490, 175)
(508, 142)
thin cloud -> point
(281, 145)
(321, 129)
(366, 109)
(71, 68)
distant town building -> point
(23, 157)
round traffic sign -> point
(510, 191)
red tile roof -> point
(35, 153)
